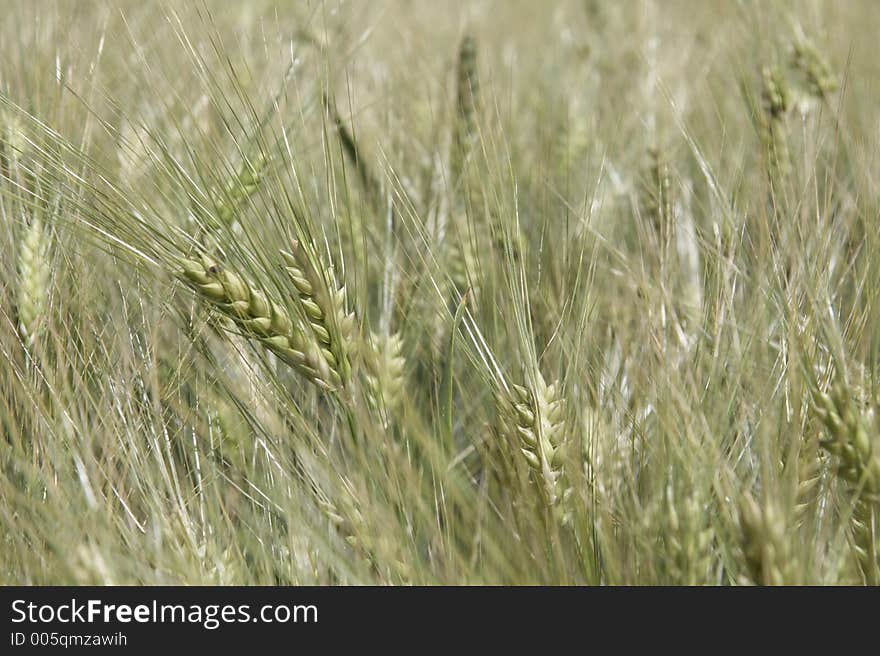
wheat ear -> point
(464, 262)
(807, 59)
(809, 476)
(384, 365)
(12, 135)
(260, 318)
(689, 538)
(323, 303)
(351, 149)
(239, 189)
(776, 101)
(657, 194)
(468, 92)
(380, 551)
(534, 420)
(857, 447)
(461, 256)
(33, 270)
(765, 545)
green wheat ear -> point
(468, 92)
(33, 267)
(12, 134)
(856, 444)
(851, 439)
(689, 536)
(384, 371)
(657, 194)
(372, 186)
(32, 286)
(465, 238)
(775, 102)
(260, 318)
(230, 200)
(534, 421)
(765, 543)
(324, 306)
(812, 65)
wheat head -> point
(856, 444)
(33, 270)
(766, 547)
(230, 199)
(815, 69)
(324, 306)
(776, 101)
(534, 420)
(384, 364)
(260, 318)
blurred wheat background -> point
(439, 293)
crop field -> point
(440, 293)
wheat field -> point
(418, 293)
